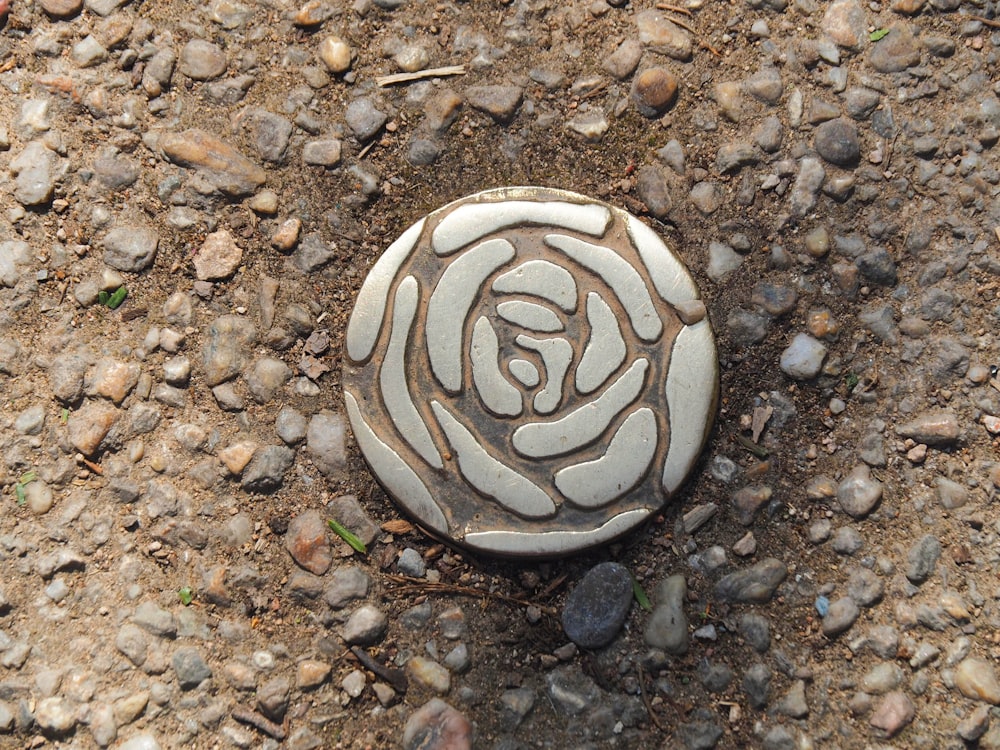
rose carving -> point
(529, 372)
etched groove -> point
(449, 307)
(399, 479)
(525, 372)
(557, 355)
(623, 279)
(540, 278)
(594, 484)
(498, 395)
(605, 350)
(671, 280)
(392, 376)
(554, 542)
(494, 479)
(689, 402)
(584, 424)
(474, 220)
(365, 323)
(529, 315)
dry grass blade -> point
(449, 70)
(986, 21)
(417, 586)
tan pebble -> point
(61, 8)
(976, 679)
(908, 7)
(287, 235)
(312, 13)
(956, 608)
(264, 202)
(336, 54)
(654, 91)
(821, 324)
(311, 673)
(917, 454)
(236, 456)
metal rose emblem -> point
(529, 372)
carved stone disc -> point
(529, 372)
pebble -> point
(273, 697)
(592, 125)
(140, 742)
(793, 703)
(653, 189)
(976, 679)
(753, 585)
(90, 425)
(624, 60)
(803, 358)
(660, 35)
(266, 377)
(221, 164)
(748, 500)
(307, 541)
(806, 187)
(500, 102)
(896, 51)
(766, 85)
(61, 8)
(722, 261)
(865, 587)
(202, 60)
(703, 732)
(951, 495)
(894, 712)
(975, 725)
(36, 171)
(346, 584)
(838, 143)
(840, 616)
(937, 428)
(429, 674)
(366, 626)
(322, 152)
(667, 628)
(411, 563)
(858, 494)
(190, 667)
(226, 347)
(654, 91)
(757, 685)
(218, 257)
(756, 630)
(269, 132)
(707, 197)
(88, 52)
(325, 442)
(596, 609)
(310, 674)
(921, 559)
(266, 470)
(336, 54)
(437, 726)
(845, 23)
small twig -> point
(96, 468)
(450, 70)
(986, 21)
(751, 446)
(675, 9)
(246, 716)
(701, 42)
(366, 149)
(395, 677)
(418, 585)
(645, 701)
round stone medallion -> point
(529, 372)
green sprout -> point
(852, 381)
(186, 595)
(640, 595)
(26, 478)
(113, 300)
(878, 34)
(347, 536)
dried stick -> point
(450, 70)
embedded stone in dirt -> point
(89, 425)
(654, 90)
(753, 585)
(223, 166)
(932, 428)
(131, 248)
(895, 711)
(596, 609)
(307, 541)
(858, 494)
(499, 102)
(667, 628)
(218, 257)
(437, 726)
(226, 347)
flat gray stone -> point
(596, 609)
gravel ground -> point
(828, 578)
